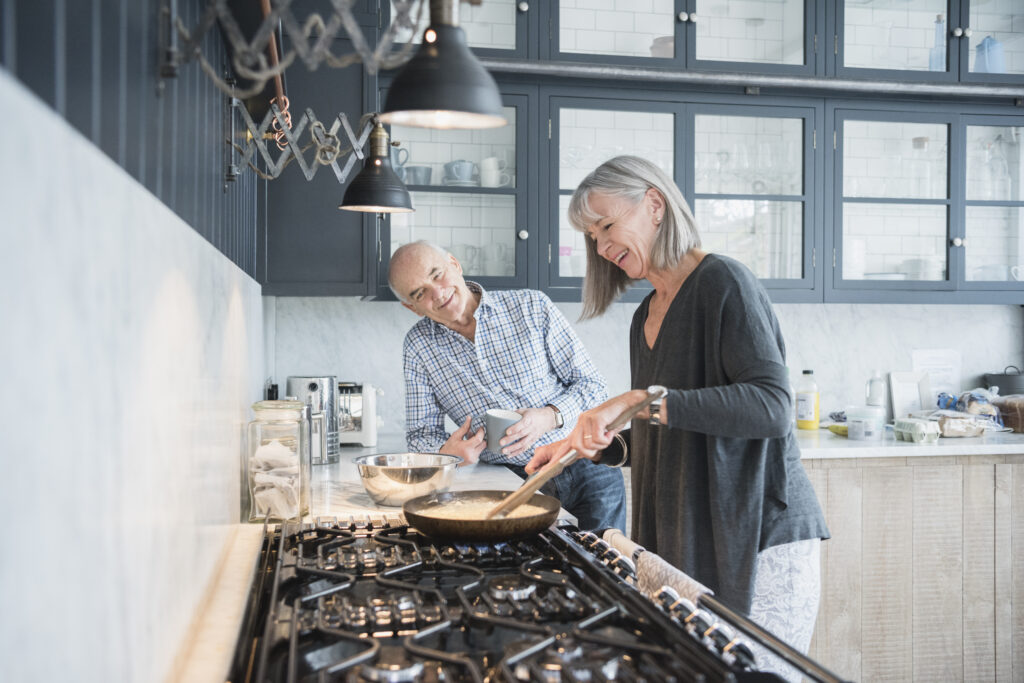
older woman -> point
(718, 487)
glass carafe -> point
(277, 462)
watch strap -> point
(559, 420)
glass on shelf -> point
(488, 25)
(767, 236)
(995, 248)
(766, 32)
(589, 137)
(622, 28)
(456, 158)
(478, 229)
(894, 241)
(748, 155)
(893, 159)
(895, 35)
(994, 163)
(572, 244)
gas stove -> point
(371, 599)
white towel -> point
(653, 572)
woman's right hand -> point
(589, 436)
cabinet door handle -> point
(524, 7)
(693, 17)
(683, 16)
(958, 32)
(523, 234)
(958, 242)
(968, 32)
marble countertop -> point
(823, 444)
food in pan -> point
(477, 510)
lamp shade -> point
(376, 188)
(444, 86)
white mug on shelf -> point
(492, 177)
(1017, 272)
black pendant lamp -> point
(444, 85)
(376, 188)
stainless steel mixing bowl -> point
(393, 478)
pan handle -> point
(553, 469)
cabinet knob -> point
(693, 17)
(957, 242)
(958, 32)
(968, 32)
(683, 16)
(524, 7)
(523, 234)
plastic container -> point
(875, 390)
(864, 423)
(808, 415)
(277, 462)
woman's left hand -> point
(590, 436)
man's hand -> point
(464, 445)
(536, 423)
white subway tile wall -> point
(895, 34)
(434, 148)
(770, 32)
(995, 248)
(589, 137)
(894, 241)
(491, 24)
(626, 28)
(478, 229)
(764, 235)
(748, 155)
(895, 159)
(997, 40)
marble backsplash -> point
(131, 352)
(842, 343)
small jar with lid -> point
(277, 464)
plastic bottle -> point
(807, 408)
(937, 55)
(874, 391)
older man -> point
(475, 350)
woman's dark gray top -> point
(723, 480)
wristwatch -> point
(655, 407)
(559, 420)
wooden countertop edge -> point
(211, 639)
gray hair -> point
(629, 177)
(400, 252)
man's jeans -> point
(594, 494)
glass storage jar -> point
(277, 463)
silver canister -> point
(321, 393)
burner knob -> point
(742, 652)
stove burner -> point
(392, 666)
(511, 587)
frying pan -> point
(417, 513)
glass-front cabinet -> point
(993, 234)
(467, 195)
(759, 35)
(746, 171)
(752, 199)
(930, 40)
(928, 203)
(496, 27)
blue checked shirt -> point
(525, 355)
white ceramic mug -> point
(492, 164)
(496, 421)
(1017, 272)
(492, 177)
